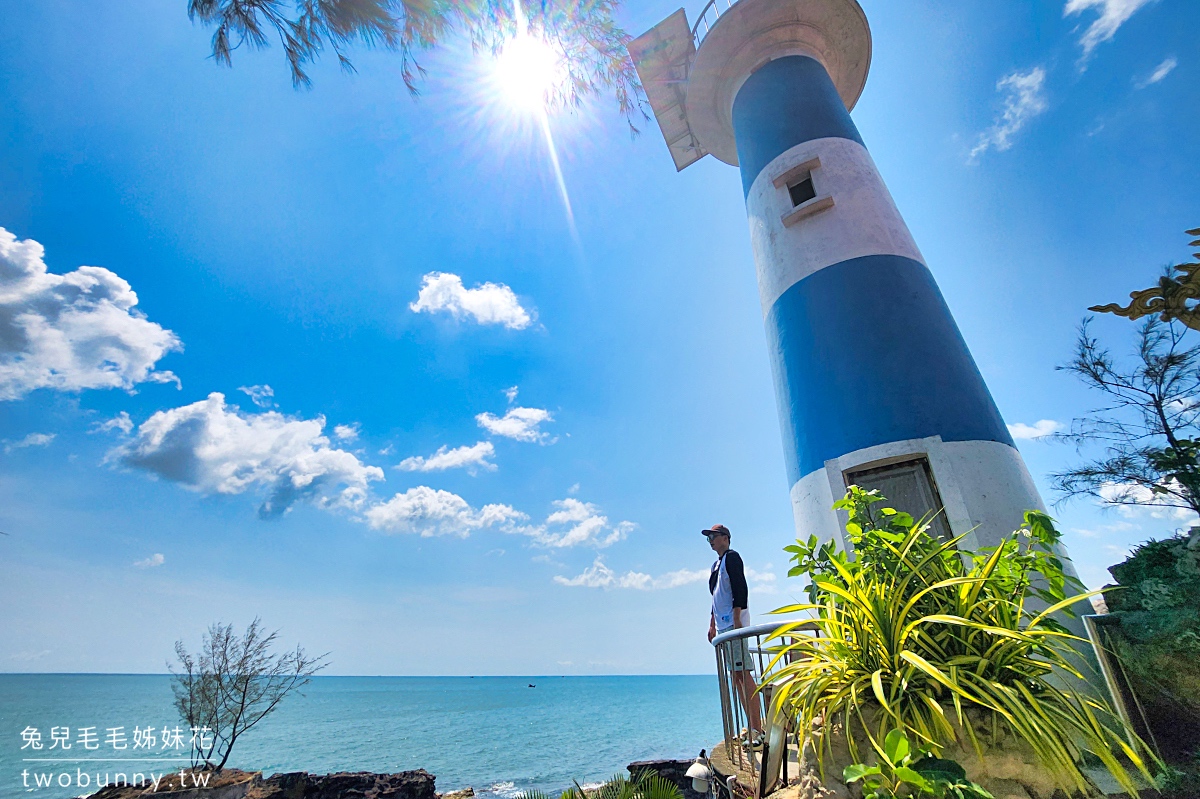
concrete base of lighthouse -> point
(984, 487)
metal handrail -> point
(757, 630)
(712, 10)
(733, 713)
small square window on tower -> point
(801, 191)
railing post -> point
(752, 774)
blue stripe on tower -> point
(785, 102)
(865, 352)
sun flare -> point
(526, 72)
(523, 83)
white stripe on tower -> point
(866, 221)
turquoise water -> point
(492, 733)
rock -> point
(673, 771)
(404, 785)
(281, 786)
(417, 784)
(230, 783)
(465, 793)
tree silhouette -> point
(1149, 426)
(233, 683)
(583, 32)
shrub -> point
(904, 772)
(1158, 609)
(1154, 630)
(944, 644)
(642, 785)
(1158, 575)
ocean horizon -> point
(495, 734)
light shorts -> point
(737, 652)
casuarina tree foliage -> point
(1148, 427)
(584, 33)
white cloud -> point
(521, 424)
(1132, 501)
(1024, 98)
(73, 331)
(156, 559)
(510, 394)
(574, 489)
(346, 432)
(577, 523)
(1042, 427)
(760, 576)
(489, 304)
(764, 581)
(599, 575)
(1161, 71)
(215, 448)
(1126, 492)
(1113, 14)
(680, 577)
(29, 655)
(259, 395)
(31, 440)
(120, 422)
(1181, 404)
(471, 458)
(429, 512)
(1104, 529)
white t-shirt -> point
(727, 582)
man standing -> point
(731, 610)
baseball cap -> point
(716, 529)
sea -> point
(502, 736)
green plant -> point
(1028, 563)
(1154, 630)
(1159, 575)
(943, 645)
(901, 771)
(642, 785)
(1148, 427)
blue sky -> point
(570, 405)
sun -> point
(527, 71)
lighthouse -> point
(874, 382)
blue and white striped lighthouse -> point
(874, 381)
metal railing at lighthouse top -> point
(758, 770)
(708, 17)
